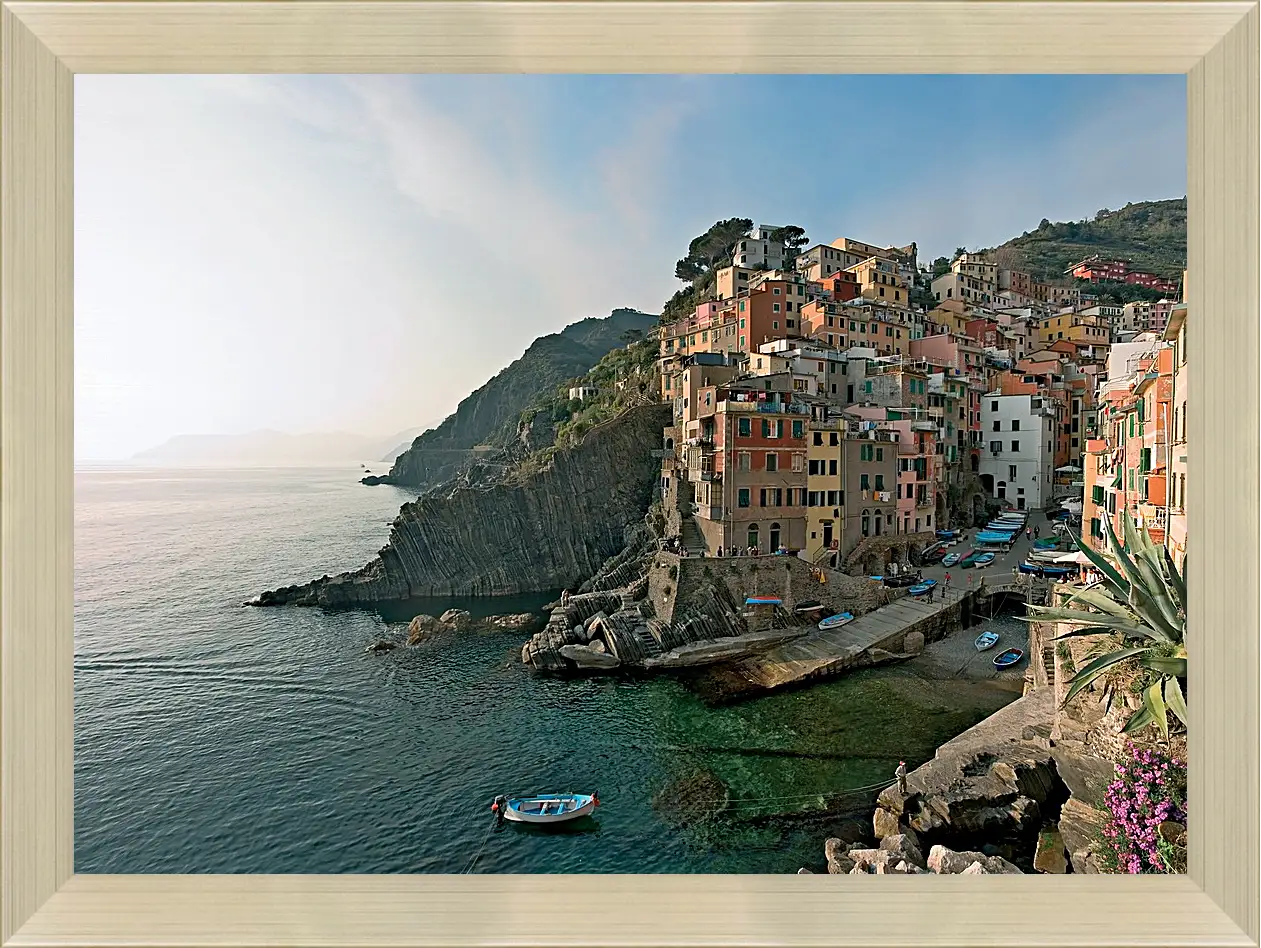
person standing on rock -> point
(900, 773)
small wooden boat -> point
(951, 559)
(985, 559)
(808, 605)
(1008, 658)
(986, 640)
(546, 807)
(836, 621)
(969, 561)
(905, 579)
(920, 588)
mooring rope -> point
(477, 855)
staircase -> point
(693, 539)
(1048, 662)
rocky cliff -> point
(491, 414)
(550, 528)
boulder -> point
(381, 645)
(456, 618)
(1049, 856)
(885, 823)
(976, 869)
(905, 846)
(589, 659)
(1080, 826)
(1087, 777)
(948, 862)
(515, 621)
(597, 645)
(420, 627)
(913, 643)
(839, 861)
(909, 869)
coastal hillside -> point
(552, 528)
(1152, 235)
(490, 415)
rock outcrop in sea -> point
(550, 525)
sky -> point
(358, 253)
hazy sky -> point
(323, 253)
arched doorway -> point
(866, 523)
(669, 444)
(753, 536)
(774, 545)
(1001, 490)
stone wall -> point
(872, 555)
(551, 530)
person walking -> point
(900, 773)
(1037, 532)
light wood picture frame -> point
(44, 44)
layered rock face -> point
(552, 529)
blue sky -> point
(317, 253)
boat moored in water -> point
(546, 807)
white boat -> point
(546, 807)
(986, 640)
(835, 622)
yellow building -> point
(879, 279)
(825, 480)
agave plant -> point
(1143, 599)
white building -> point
(1019, 457)
(583, 392)
(815, 369)
(758, 251)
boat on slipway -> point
(1008, 658)
(986, 640)
(836, 621)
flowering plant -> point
(1147, 813)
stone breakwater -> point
(686, 612)
(551, 528)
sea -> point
(215, 737)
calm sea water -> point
(211, 737)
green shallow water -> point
(210, 737)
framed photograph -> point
(433, 514)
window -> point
(879, 482)
(1015, 424)
(996, 447)
(865, 482)
(799, 461)
(798, 429)
(993, 406)
(1015, 445)
(998, 426)
(746, 427)
(832, 467)
(762, 498)
(775, 309)
(742, 497)
(866, 452)
(766, 428)
(834, 439)
(772, 462)
(1011, 472)
(775, 324)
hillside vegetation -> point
(1152, 235)
(491, 414)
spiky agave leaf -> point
(1109, 571)
(1173, 698)
(1086, 675)
(1095, 623)
(1154, 701)
(1138, 720)
(1150, 599)
(1177, 580)
(1164, 665)
(1105, 602)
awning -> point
(1077, 556)
(1068, 469)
